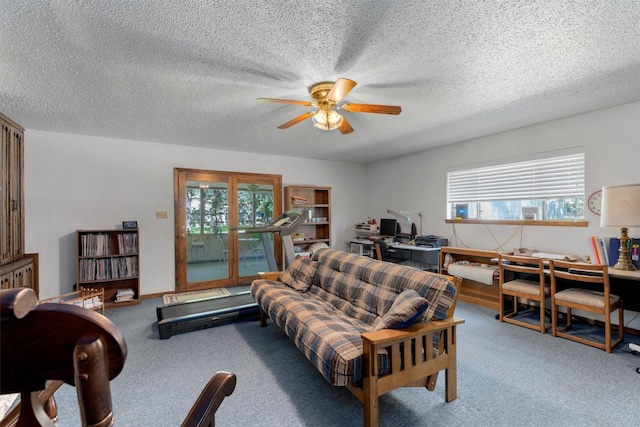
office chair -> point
(523, 288)
(594, 297)
(46, 345)
(383, 253)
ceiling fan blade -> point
(340, 89)
(372, 108)
(296, 120)
(345, 127)
(285, 101)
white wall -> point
(611, 139)
(83, 182)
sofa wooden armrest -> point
(413, 363)
(269, 275)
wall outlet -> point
(161, 215)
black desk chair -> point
(384, 254)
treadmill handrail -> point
(284, 229)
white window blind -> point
(560, 176)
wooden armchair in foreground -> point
(46, 345)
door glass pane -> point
(207, 231)
(255, 209)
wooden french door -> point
(215, 212)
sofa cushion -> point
(366, 289)
(407, 308)
(329, 339)
(299, 275)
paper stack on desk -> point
(559, 257)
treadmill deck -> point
(195, 315)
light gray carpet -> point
(507, 376)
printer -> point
(431, 241)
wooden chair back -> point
(596, 277)
(531, 287)
(45, 345)
(50, 341)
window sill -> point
(546, 223)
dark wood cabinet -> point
(12, 213)
(17, 269)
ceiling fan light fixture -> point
(327, 120)
(326, 97)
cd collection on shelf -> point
(128, 243)
(108, 268)
(99, 244)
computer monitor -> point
(388, 227)
(462, 211)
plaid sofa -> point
(325, 304)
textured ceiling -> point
(189, 72)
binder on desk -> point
(613, 250)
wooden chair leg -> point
(554, 319)
(621, 323)
(607, 333)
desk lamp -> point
(406, 216)
(621, 208)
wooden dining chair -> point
(531, 288)
(595, 297)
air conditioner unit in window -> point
(531, 213)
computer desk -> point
(625, 284)
(422, 255)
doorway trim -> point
(234, 180)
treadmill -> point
(190, 316)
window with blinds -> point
(549, 186)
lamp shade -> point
(620, 206)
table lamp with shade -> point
(621, 208)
